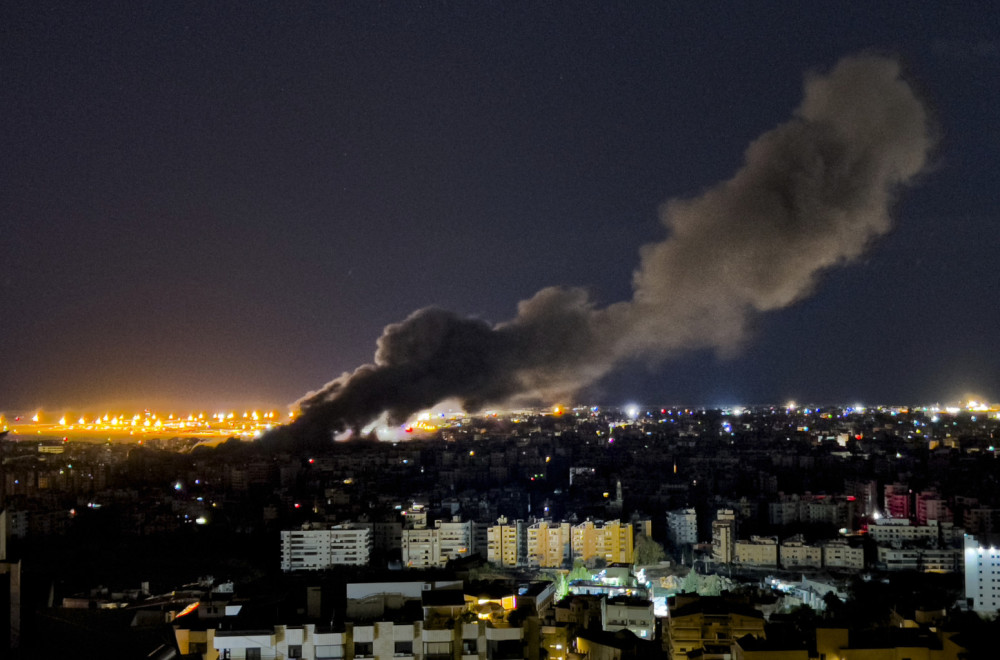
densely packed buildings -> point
(740, 494)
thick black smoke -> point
(812, 194)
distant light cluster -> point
(251, 423)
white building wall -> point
(982, 577)
(457, 538)
(318, 549)
(422, 548)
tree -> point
(711, 585)
(579, 572)
(834, 606)
(648, 551)
(691, 582)
(562, 586)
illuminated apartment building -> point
(506, 542)
(982, 577)
(426, 547)
(319, 546)
(611, 541)
(549, 544)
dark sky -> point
(208, 203)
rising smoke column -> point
(812, 194)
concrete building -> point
(813, 509)
(377, 640)
(931, 506)
(457, 538)
(838, 553)
(697, 622)
(927, 560)
(981, 520)
(865, 493)
(506, 542)
(794, 552)
(387, 536)
(632, 614)
(421, 548)
(897, 501)
(982, 577)
(415, 620)
(887, 643)
(612, 541)
(319, 546)
(682, 527)
(724, 536)
(549, 544)
(899, 532)
(758, 551)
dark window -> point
(253, 654)
(469, 647)
(294, 651)
(403, 648)
(363, 649)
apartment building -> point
(507, 542)
(758, 551)
(724, 536)
(549, 544)
(982, 577)
(317, 546)
(838, 553)
(794, 552)
(682, 527)
(612, 541)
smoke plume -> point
(812, 194)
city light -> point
(126, 425)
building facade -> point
(724, 536)
(682, 527)
(982, 577)
(318, 547)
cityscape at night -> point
(499, 331)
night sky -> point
(208, 204)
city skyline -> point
(224, 205)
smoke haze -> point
(812, 194)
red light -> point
(663, 411)
(297, 505)
(409, 429)
(858, 436)
(311, 460)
